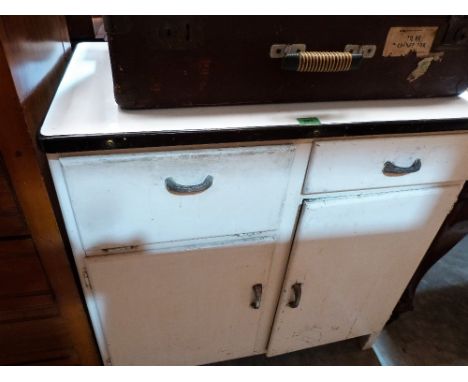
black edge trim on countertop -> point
(74, 143)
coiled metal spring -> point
(324, 61)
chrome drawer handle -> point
(173, 186)
(392, 169)
(257, 289)
(297, 289)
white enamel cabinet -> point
(174, 246)
(169, 242)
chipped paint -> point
(422, 67)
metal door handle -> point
(297, 290)
(391, 168)
(257, 289)
(174, 187)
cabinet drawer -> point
(128, 200)
(354, 164)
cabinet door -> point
(181, 308)
(353, 257)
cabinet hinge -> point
(86, 279)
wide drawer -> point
(353, 164)
(128, 200)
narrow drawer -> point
(354, 164)
(128, 200)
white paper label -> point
(404, 40)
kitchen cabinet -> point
(177, 217)
(183, 293)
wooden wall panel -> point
(19, 307)
(36, 341)
(34, 46)
(11, 219)
(20, 269)
(24, 290)
(37, 50)
(45, 322)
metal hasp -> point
(367, 51)
(257, 289)
(281, 50)
(297, 290)
(391, 169)
(174, 187)
(321, 61)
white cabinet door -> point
(352, 257)
(181, 308)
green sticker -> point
(312, 121)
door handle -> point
(174, 187)
(391, 168)
(257, 289)
(297, 290)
